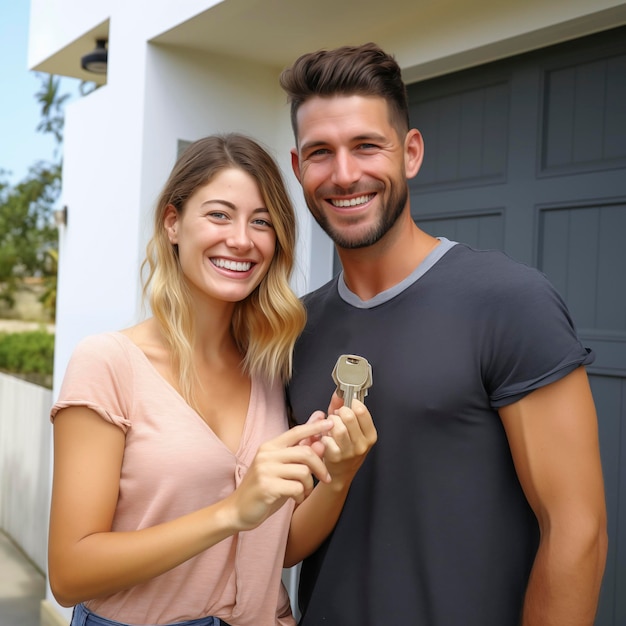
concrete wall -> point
(25, 441)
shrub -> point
(29, 354)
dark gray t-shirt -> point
(436, 530)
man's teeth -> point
(352, 201)
(235, 266)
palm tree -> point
(52, 102)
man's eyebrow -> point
(312, 144)
(370, 137)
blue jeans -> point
(82, 616)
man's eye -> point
(367, 146)
(319, 152)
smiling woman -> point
(224, 238)
(171, 437)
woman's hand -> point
(283, 468)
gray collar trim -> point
(384, 296)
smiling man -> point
(482, 503)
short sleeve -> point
(533, 340)
(99, 376)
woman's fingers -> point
(315, 442)
(282, 469)
(279, 472)
(310, 430)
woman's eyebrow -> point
(232, 206)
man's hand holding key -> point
(353, 433)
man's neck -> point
(372, 270)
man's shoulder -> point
(493, 258)
(489, 267)
(325, 293)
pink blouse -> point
(175, 464)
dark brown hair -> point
(364, 70)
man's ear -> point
(413, 152)
(170, 223)
(295, 163)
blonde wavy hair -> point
(266, 324)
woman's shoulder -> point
(103, 346)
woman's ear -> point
(170, 223)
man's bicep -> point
(553, 436)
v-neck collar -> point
(251, 402)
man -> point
(482, 503)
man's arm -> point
(553, 435)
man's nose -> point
(346, 169)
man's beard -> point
(391, 211)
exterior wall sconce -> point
(60, 216)
(96, 61)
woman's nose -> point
(239, 239)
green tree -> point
(27, 231)
(52, 103)
(28, 237)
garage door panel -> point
(581, 250)
(610, 351)
(584, 109)
(612, 268)
(479, 231)
(465, 135)
(615, 135)
(610, 397)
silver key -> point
(353, 376)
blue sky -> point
(20, 144)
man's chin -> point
(352, 240)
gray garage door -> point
(528, 155)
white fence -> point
(25, 455)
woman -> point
(175, 478)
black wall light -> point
(96, 61)
(60, 216)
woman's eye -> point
(261, 222)
(218, 215)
